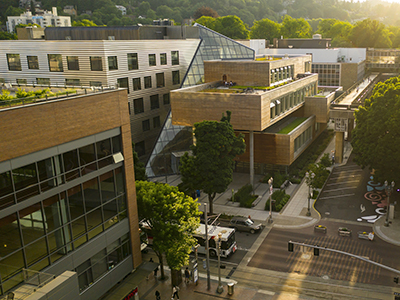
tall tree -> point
(377, 134)
(232, 27)
(295, 28)
(370, 33)
(205, 11)
(140, 170)
(172, 218)
(265, 29)
(211, 167)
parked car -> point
(244, 224)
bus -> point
(228, 244)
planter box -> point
(343, 231)
(320, 228)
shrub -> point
(325, 160)
(281, 198)
(244, 196)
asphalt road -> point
(273, 254)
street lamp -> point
(309, 180)
(270, 181)
(220, 288)
(389, 190)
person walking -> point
(158, 296)
(187, 275)
(175, 291)
(155, 273)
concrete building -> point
(286, 93)
(43, 18)
(122, 9)
(67, 194)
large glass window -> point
(87, 157)
(160, 80)
(92, 194)
(166, 100)
(112, 63)
(175, 57)
(55, 62)
(31, 222)
(133, 61)
(71, 165)
(10, 237)
(138, 106)
(136, 84)
(107, 186)
(33, 62)
(73, 63)
(14, 62)
(43, 81)
(96, 63)
(72, 82)
(9, 267)
(152, 60)
(6, 189)
(175, 77)
(75, 202)
(48, 170)
(147, 82)
(163, 58)
(25, 182)
(123, 83)
(99, 264)
(154, 102)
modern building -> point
(67, 192)
(272, 95)
(122, 9)
(334, 66)
(43, 18)
(317, 42)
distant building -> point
(42, 18)
(122, 9)
(317, 42)
(69, 10)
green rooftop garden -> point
(292, 126)
(240, 88)
(266, 58)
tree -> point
(377, 134)
(295, 28)
(205, 11)
(172, 218)
(211, 167)
(208, 22)
(84, 23)
(140, 170)
(232, 27)
(265, 29)
(370, 33)
(7, 36)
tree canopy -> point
(370, 33)
(230, 26)
(265, 29)
(295, 28)
(377, 134)
(211, 167)
(173, 218)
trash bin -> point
(231, 288)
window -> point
(21, 81)
(140, 149)
(129, 108)
(160, 79)
(133, 61)
(175, 77)
(74, 82)
(14, 62)
(146, 125)
(95, 83)
(175, 57)
(55, 62)
(73, 63)
(33, 62)
(152, 60)
(43, 81)
(112, 63)
(154, 102)
(166, 99)
(147, 82)
(96, 63)
(156, 122)
(138, 106)
(136, 84)
(163, 58)
(123, 83)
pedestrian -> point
(175, 291)
(249, 217)
(155, 272)
(158, 296)
(187, 275)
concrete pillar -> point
(339, 147)
(350, 129)
(251, 134)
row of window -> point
(27, 181)
(280, 74)
(43, 233)
(303, 138)
(55, 62)
(138, 104)
(146, 123)
(328, 74)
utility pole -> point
(207, 252)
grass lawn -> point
(292, 125)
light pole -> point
(389, 190)
(220, 288)
(309, 180)
(270, 181)
(207, 247)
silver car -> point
(244, 224)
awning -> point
(278, 102)
(272, 104)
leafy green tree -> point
(232, 27)
(211, 167)
(172, 217)
(209, 22)
(5, 95)
(140, 170)
(205, 11)
(377, 134)
(370, 33)
(7, 36)
(295, 28)
(265, 29)
(84, 23)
